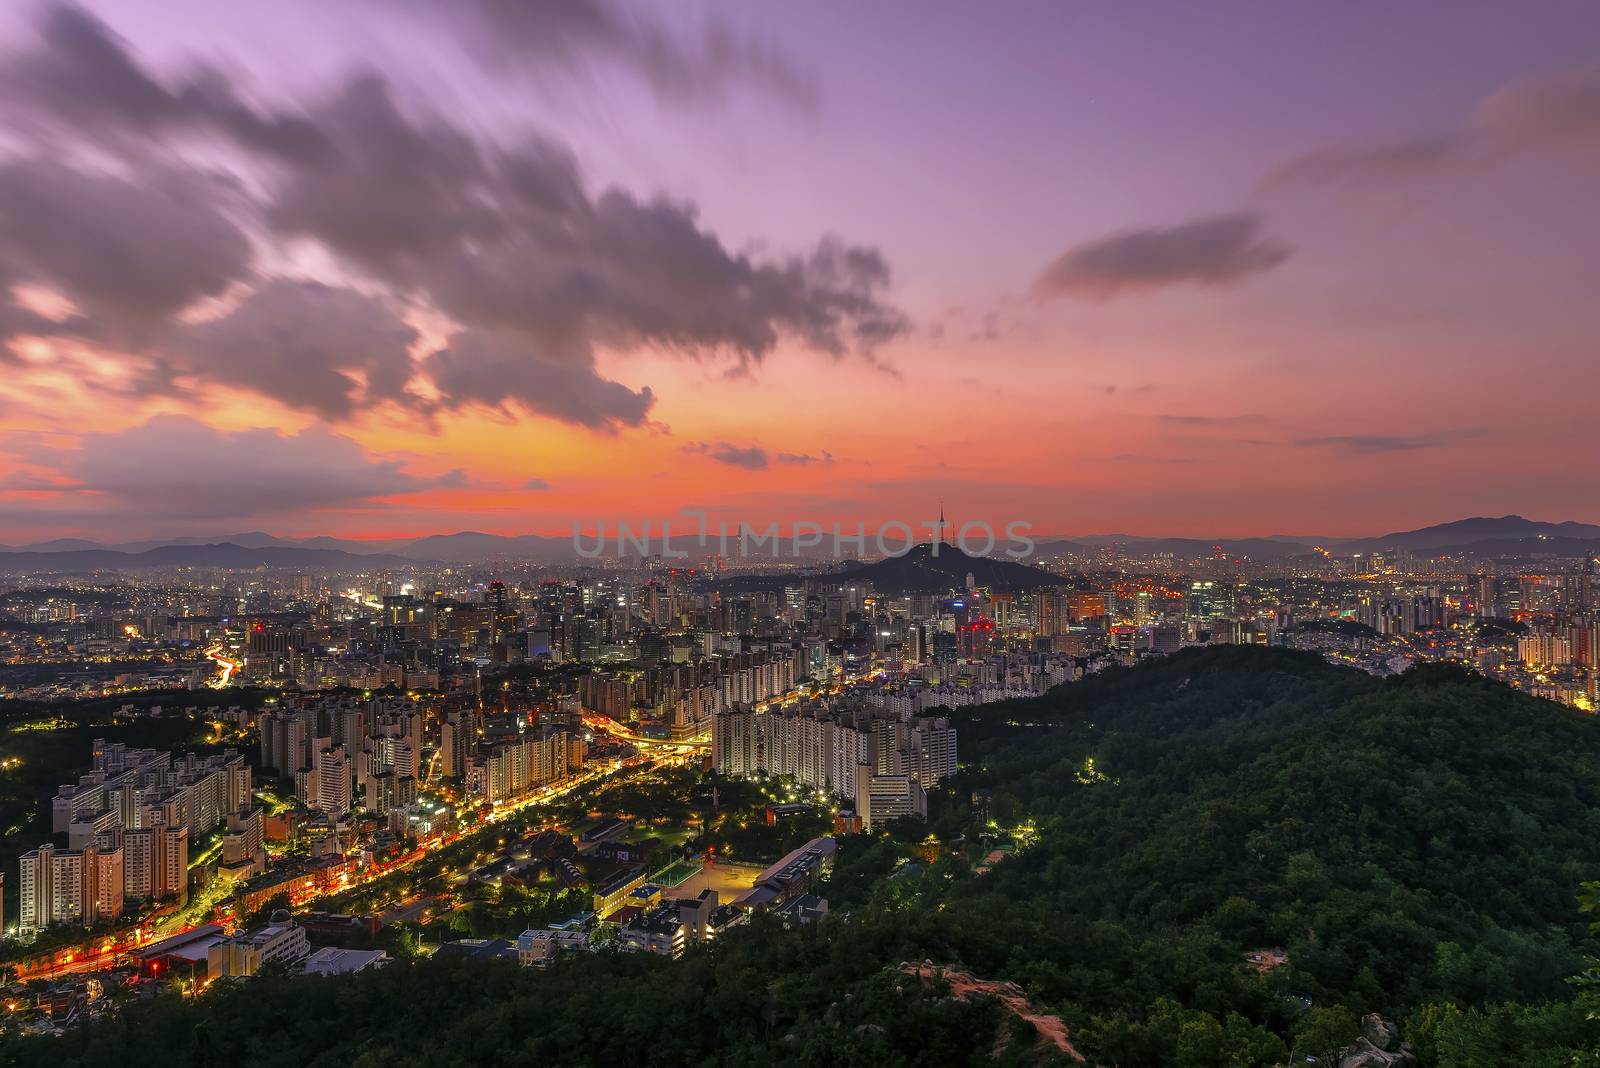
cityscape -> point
(611, 532)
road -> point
(227, 664)
(607, 725)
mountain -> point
(1510, 535)
(470, 546)
(224, 555)
(58, 545)
(922, 570)
(1526, 550)
(1466, 533)
(253, 539)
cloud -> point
(1368, 444)
(1140, 458)
(496, 370)
(176, 467)
(314, 347)
(749, 457)
(1543, 113)
(533, 272)
(127, 253)
(513, 240)
(83, 81)
(1398, 159)
(537, 485)
(697, 68)
(803, 458)
(1205, 420)
(1220, 250)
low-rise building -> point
(671, 927)
(792, 876)
(536, 949)
(331, 960)
(247, 954)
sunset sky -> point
(380, 269)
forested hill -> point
(1413, 846)
(1417, 838)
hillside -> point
(1463, 534)
(1414, 839)
(1413, 846)
(922, 570)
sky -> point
(384, 269)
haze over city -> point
(385, 270)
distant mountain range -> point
(1508, 535)
(226, 555)
(1472, 532)
(1501, 536)
(464, 547)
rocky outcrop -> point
(965, 985)
(1378, 1047)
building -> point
(670, 927)
(62, 886)
(823, 747)
(331, 790)
(881, 798)
(609, 897)
(243, 851)
(536, 949)
(247, 954)
(792, 876)
(155, 863)
(181, 951)
(331, 960)
(506, 770)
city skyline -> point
(505, 267)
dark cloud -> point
(536, 485)
(575, 35)
(1206, 420)
(749, 457)
(1399, 159)
(392, 193)
(537, 273)
(82, 80)
(177, 467)
(314, 347)
(1560, 109)
(803, 458)
(1140, 458)
(1219, 250)
(128, 253)
(512, 240)
(1557, 111)
(494, 370)
(1366, 444)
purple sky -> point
(1178, 268)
